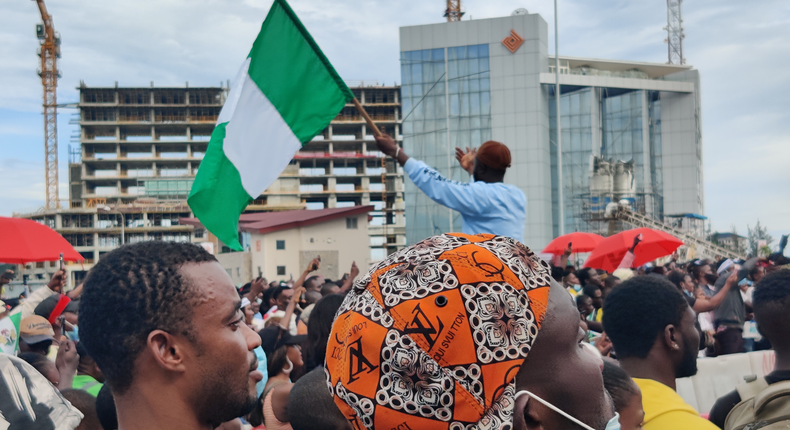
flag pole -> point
(365, 115)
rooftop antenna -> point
(675, 33)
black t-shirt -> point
(723, 406)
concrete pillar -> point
(58, 221)
(365, 198)
(362, 97)
(329, 132)
(189, 150)
(365, 183)
(332, 202)
(189, 133)
(331, 184)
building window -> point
(280, 244)
(199, 232)
(280, 270)
(351, 223)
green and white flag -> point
(285, 93)
(9, 333)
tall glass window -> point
(577, 145)
(618, 115)
(441, 86)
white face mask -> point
(613, 424)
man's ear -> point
(528, 415)
(671, 338)
(168, 351)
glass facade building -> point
(629, 123)
(630, 130)
(446, 103)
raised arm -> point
(350, 281)
(705, 304)
(462, 197)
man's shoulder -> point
(723, 406)
(679, 420)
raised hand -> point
(466, 158)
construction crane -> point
(49, 53)
(453, 12)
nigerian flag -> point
(9, 333)
(285, 93)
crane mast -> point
(49, 53)
(453, 12)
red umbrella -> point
(26, 241)
(610, 252)
(582, 242)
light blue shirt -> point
(496, 208)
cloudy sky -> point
(743, 54)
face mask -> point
(577, 287)
(74, 334)
(711, 278)
(613, 424)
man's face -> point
(594, 278)
(562, 371)
(690, 344)
(571, 280)
(586, 307)
(687, 284)
(221, 363)
(706, 270)
(597, 299)
(284, 298)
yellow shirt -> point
(666, 410)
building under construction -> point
(141, 147)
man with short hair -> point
(595, 318)
(486, 204)
(179, 355)
(329, 288)
(313, 283)
(655, 347)
(771, 304)
(460, 332)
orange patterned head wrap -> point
(434, 335)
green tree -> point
(757, 234)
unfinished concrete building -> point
(142, 142)
(140, 149)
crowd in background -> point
(648, 324)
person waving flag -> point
(285, 93)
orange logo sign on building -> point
(513, 41)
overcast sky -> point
(743, 54)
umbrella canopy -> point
(582, 242)
(610, 252)
(26, 241)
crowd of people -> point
(462, 329)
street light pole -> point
(560, 200)
(123, 219)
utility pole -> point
(560, 200)
(49, 53)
